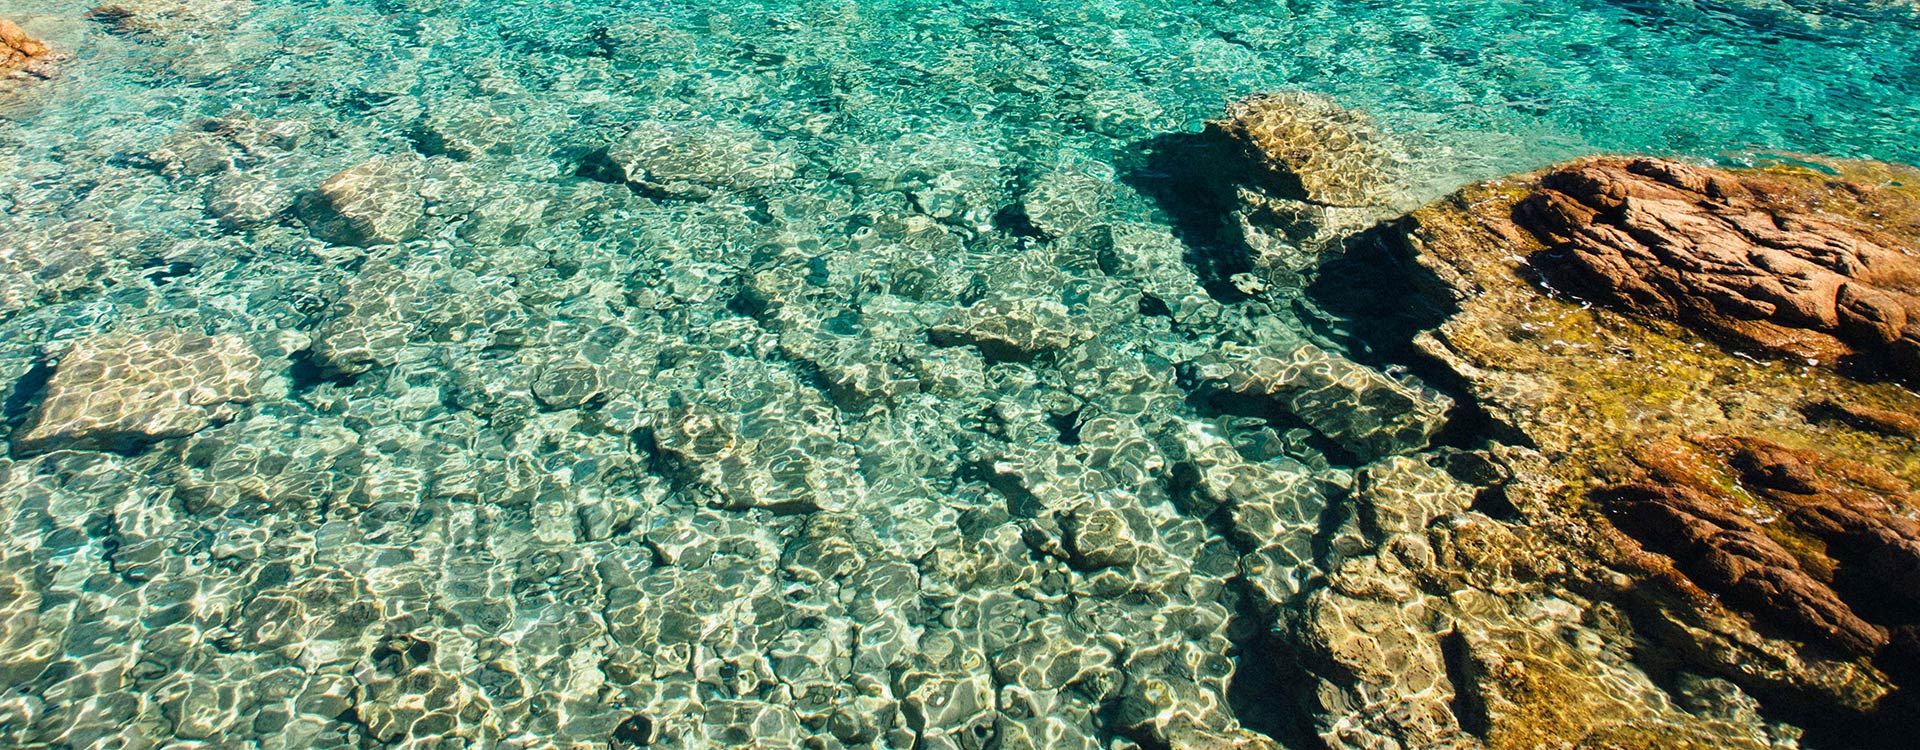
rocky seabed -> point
(386, 419)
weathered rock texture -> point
(1800, 538)
(120, 390)
(1749, 517)
(1313, 173)
(20, 54)
(1753, 260)
(1306, 147)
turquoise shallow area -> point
(526, 374)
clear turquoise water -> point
(678, 472)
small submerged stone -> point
(242, 200)
(377, 202)
(692, 160)
(120, 390)
(568, 385)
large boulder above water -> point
(1750, 514)
(121, 390)
(1752, 259)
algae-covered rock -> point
(1454, 629)
(120, 390)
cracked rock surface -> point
(1751, 519)
(1746, 258)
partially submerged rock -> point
(1748, 516)
(21, 55)
(1831, 535)
(118, 391)
(1446, 629)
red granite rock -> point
(1732, 255)
(1729, 554)
(20, 52)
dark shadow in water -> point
(1191, 178)
(1270, 692)
(26, 392)
(1378, 300)
(305, 372)
(1468, 707)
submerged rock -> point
(1366, 412)
(1306, 147)
(118, 391)
(1012, 328)
(239, 200)
(161, 18)
(692, 160)
(1314, 173)
(378, 202)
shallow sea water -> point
(886, 415)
